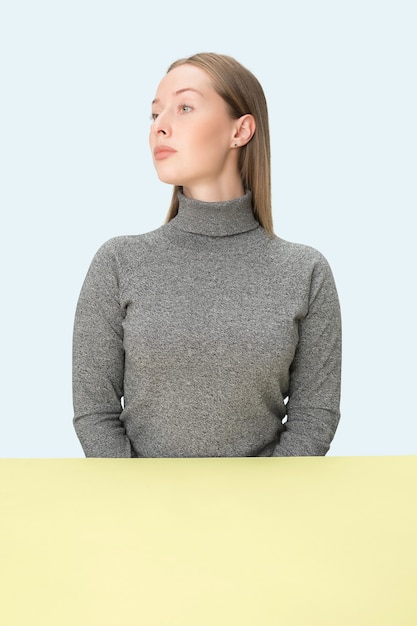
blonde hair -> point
(243, 94)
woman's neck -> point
(220, 192)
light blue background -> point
(77, 78)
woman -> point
(209, 336)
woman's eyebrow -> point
(178, 92)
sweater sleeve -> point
(98, 361)
(313, 408)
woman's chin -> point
(169, 180)
(164, 176)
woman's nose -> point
(161, 125)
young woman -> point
(210, 336)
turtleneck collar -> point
(215, 219)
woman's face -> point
(192, 135)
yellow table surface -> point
(179, 542)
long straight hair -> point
(243, 94)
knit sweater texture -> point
(207, 338)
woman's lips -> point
(162, 152)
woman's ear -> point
(245, 129)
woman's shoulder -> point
(299, 262)
(121, 253)
(129, 244)
(294, 252)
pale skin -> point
(194, 141)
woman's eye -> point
(182, 108)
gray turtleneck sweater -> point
(207, 338)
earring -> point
(235, 145)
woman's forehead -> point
(184, 77)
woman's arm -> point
(98, 361)
(313, 408)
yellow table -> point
(178, 542)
